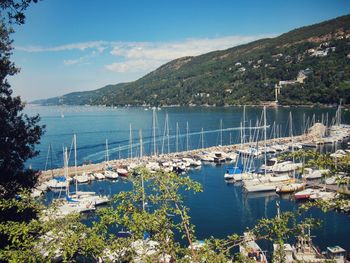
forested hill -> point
(309, 65)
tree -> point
(19, 133)
(153, 212)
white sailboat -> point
(100, 176)
(109, 173)
(68, 206)
(310, 174)
(84, 196)
(260, 183)
(82, 179)
(58, 182)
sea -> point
(222, 208)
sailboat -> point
(259, 182)
(231, 172)
(69, 205)
(58, 182)
(276, 180)
(84, 196)
(109, 173)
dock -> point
(314, 135)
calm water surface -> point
(221, 209)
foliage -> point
(337, 167)
(19, 133)
(14, 10)
(154, 206)
(217, 78)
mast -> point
(65, 160)
(164, 134)
(75, 154)
(75, 162)
(265, 157)
(130, 142)
(221, 132)
(119, 151)
(243, 123)
(143, 192)
(187, 131)
(167, 132)
(202, 139)
(250, 131)
(339, 113)
(291, 129)
(107, 153)
(49, 151)
(326, 124)
(241, 128)
(177, 137)
(291, 135)
(141, 144)
(154, 130)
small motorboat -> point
(290, 188)
(305, 194)
(122, 172)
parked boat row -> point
(302, 251)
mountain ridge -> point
(244, 74)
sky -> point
(78, 45)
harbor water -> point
(222, 208)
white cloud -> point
(73, 61)
(172, 50)
(138, 65)
(97, 45)
(146, 56)
(143, 57)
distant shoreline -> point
(315, 105)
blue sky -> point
(76, 45)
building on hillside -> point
(320, 53)
(302, 75)
(286, 82)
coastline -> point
(262, 104)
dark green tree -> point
(19, 132)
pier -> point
(312, 137)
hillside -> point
(308, 65)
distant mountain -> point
(307, 65)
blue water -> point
(221, 209)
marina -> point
(110, 177)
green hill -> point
(318, 54)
